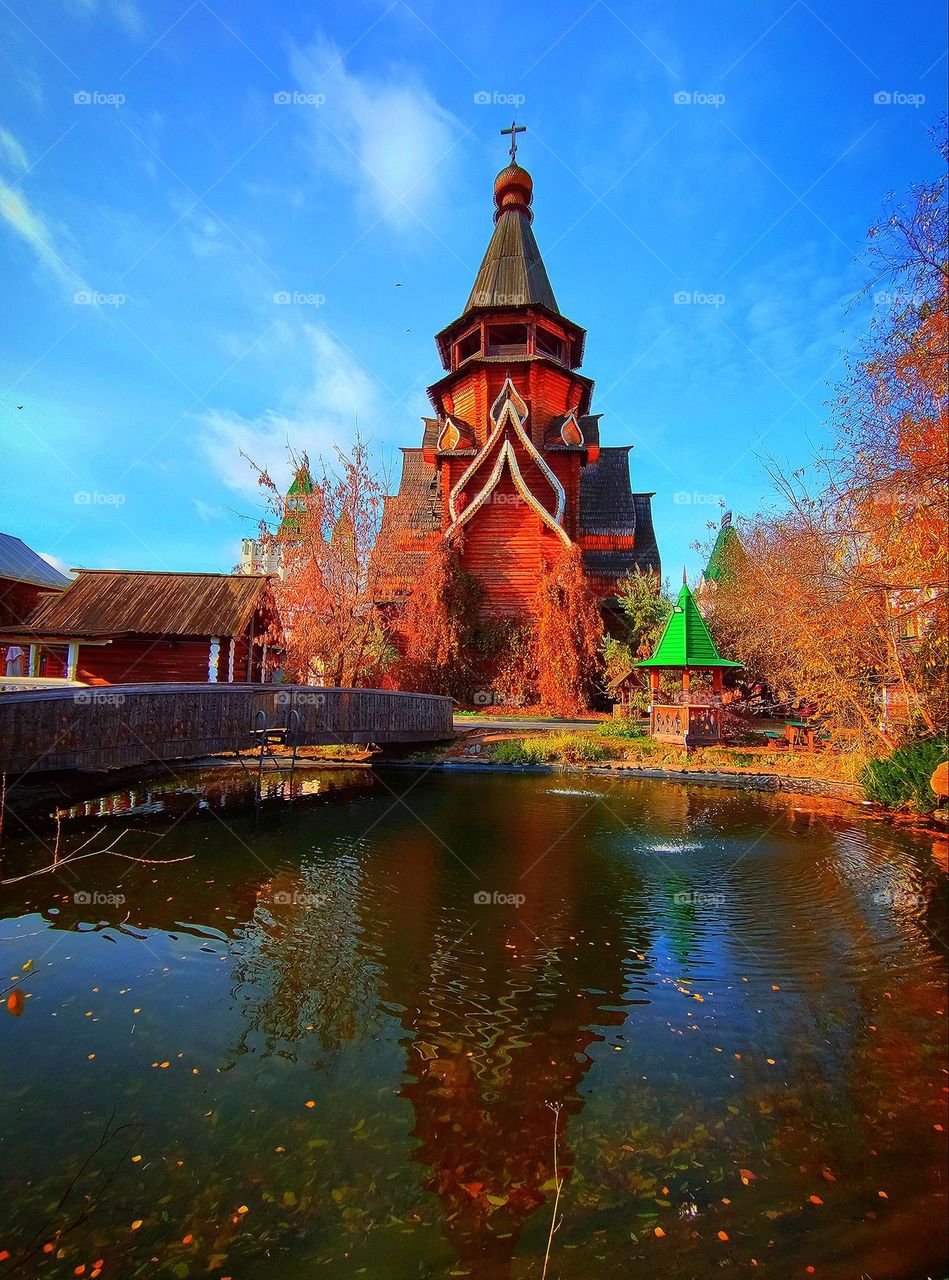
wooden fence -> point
(116, 726)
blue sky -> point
(152, 168)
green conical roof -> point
(686, 640)
(726, 554)
(302, 483)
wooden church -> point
(511, 466)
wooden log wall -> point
(125, 725)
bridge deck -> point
(115, 726)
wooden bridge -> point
(117, 726)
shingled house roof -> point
(606, 502)
(111, 602)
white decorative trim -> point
(508, 393)
(506, 408)
(571, 419)
(449, 437)
(507, 454)
(214, 650)
(230, 662)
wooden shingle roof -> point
(512, 273)
(111, 602)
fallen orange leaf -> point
(136, 1224)
(815, 1199)
(660, 1234)
(723, 1235)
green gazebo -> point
(686, 645)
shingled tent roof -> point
(686, 640)
(512, 273)
(111, 602)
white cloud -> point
(12, 150)
(125, 12)
(32, 228)
(56, 563)
(388, 137)
(320, 416)
(207, 511)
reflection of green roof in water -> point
(686, 640)
(726, 554)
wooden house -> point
(25, 579)
(118, 627)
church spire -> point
(512, 273)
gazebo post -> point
(717, 680)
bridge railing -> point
(117, 726)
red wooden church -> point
(511, 463)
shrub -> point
(622, 729)
(903, 777)
(516, 752)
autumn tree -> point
(568, 634)
(434, 629)
(843, 591)
(323, 536)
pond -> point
(369, 1033)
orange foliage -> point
(568, 633)
(433, 629)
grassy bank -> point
(619, 742)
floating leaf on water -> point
(15, 1003)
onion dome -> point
(513, 189)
